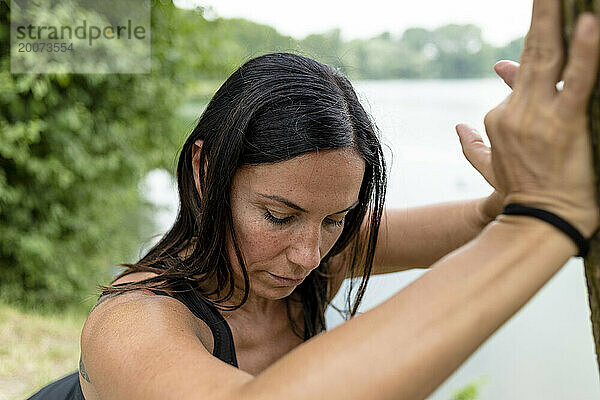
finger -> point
(580, 72)
(507, 70)
(475, 150)
(541, 59)
(468, 135)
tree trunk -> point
(570, 10)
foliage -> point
(469, 392)
(214, 49)
(450, 51)
(73, 149)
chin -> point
(276, 292)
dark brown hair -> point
(273, 108)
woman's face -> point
(288, 215)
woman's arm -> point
(416, 237)
(407, 346)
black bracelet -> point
(518, 209)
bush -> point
(73, 149)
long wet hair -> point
(274, 107)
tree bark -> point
(570, 11)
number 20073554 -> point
(39, 47)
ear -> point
(196, 149)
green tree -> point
(458, 48)
(512, 51)
(73, 150)
(415, 39)
(325, 47)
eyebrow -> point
(297, 207)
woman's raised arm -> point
(407, 346)
(416, 237)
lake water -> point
(546, 350)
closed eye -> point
(281, 221)
(277, 221)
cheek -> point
(257, 240)
(329, 240)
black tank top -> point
(224, 348)
(69, 388)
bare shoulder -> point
(138, 298)
(134, 340)
(134, 300)
(164, 308)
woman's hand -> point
(540, 146)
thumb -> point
(475, 150)
(469, 137)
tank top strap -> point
(224, 347)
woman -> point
(281, 189)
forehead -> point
(315, 178)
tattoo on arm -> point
(82, 371)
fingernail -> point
(587, 25)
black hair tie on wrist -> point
(518, 209)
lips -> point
(291, 279)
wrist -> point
(564, 226)
(538, 228)
(488, 208)
(584, 220)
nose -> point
(304, 249)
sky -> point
(500, 21)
